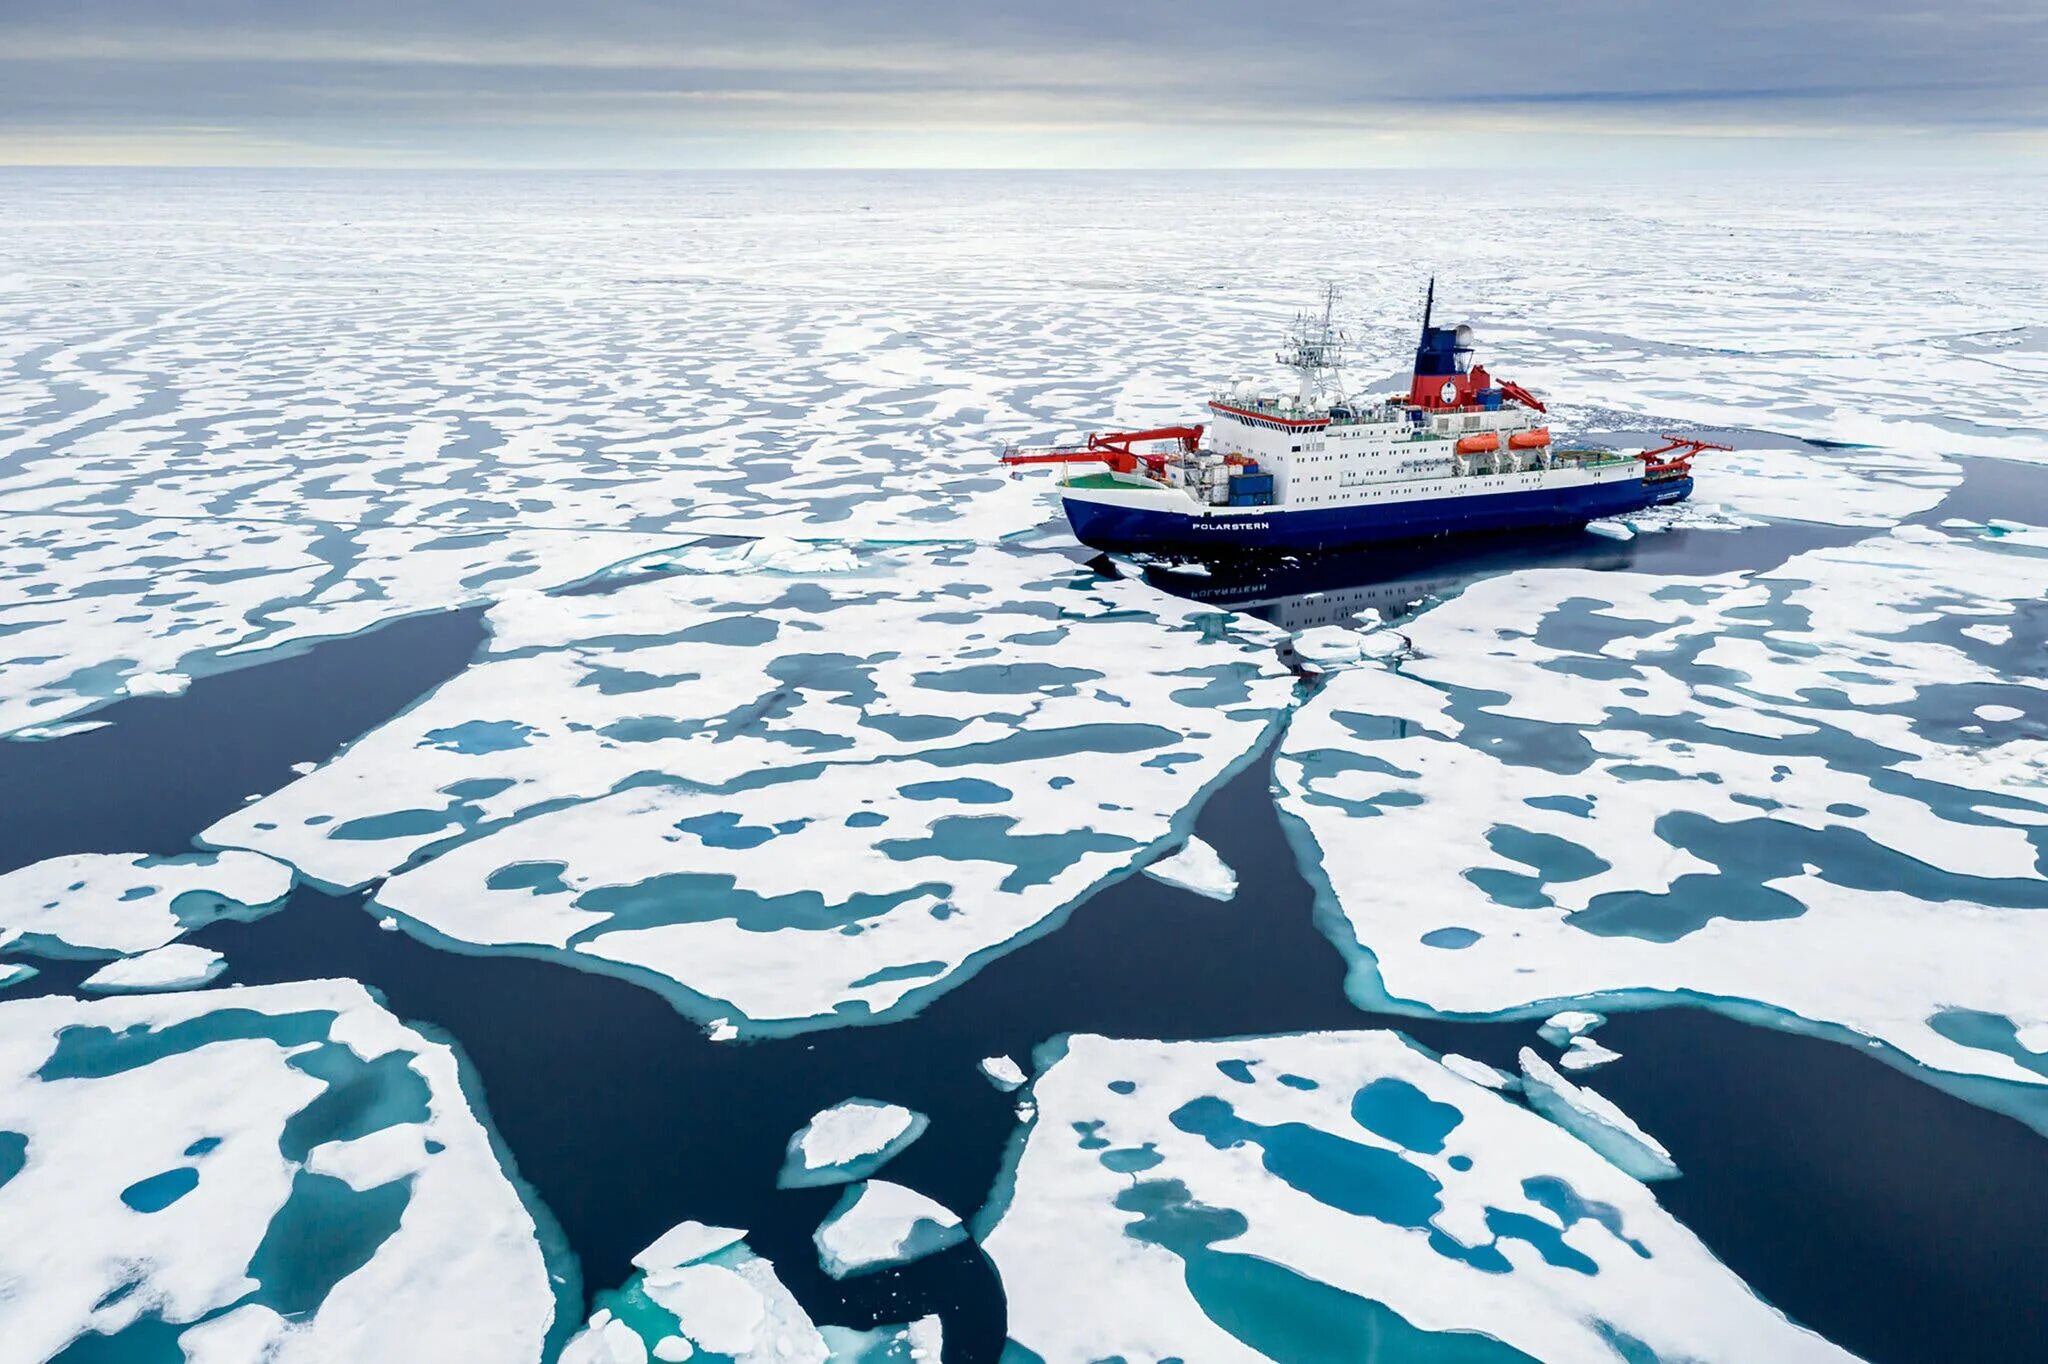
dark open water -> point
(1900, 1222)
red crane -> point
(1665, 462)
(1114, 449)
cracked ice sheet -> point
(95, 904)
(172, 1145)
(803, 801)
(1756, 792)
(1271, 1197)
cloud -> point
(634, 82)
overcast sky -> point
(1025, 83)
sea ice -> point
(1595, 1121)
(1613, 530)
(878, 1224)
(1738, 790)
(180, 966)
(849, 1141)
(1002, 1072)
(1290, 1197)
(1196, 867)
(113, 904)
(791, 802)
(280, 1171)
(264, 460)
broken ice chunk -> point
(920, 1342)
(685, 1243)
(1478, 1072)
(1560, 1028)
(878, 1224)
(729, 1305)
(1002, 1072)
(1595, 1121)
(1584, 1053)
(1196, 867)
(849, 1141)
(157, 684)
(181, 966)
(1613, 530)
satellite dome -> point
(1464, 336)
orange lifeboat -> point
(1480, 444)
(1530, 440)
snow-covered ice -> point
(788, 801)
(877, 1224)
(849, 1141)
(1269, 1197)
(1747, 790)
(283, 1171)
(111, 904)
(180, 966)
(1196, 867)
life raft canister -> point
(1480, 444)
(1530, 440)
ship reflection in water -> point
(1301, 593)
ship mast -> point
(1315, 351)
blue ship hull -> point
(1276, 529)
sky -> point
(1800, 84)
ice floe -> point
(1750, 791)
(1196, 867)
(180, 966)
(1288, 1197)
(284, 1172)
(790, 802)
(849, 1141)
(93, 904)
(1002, 1072)
(877, 1224)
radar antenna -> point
(1315, 351)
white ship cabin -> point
(1316, 452)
